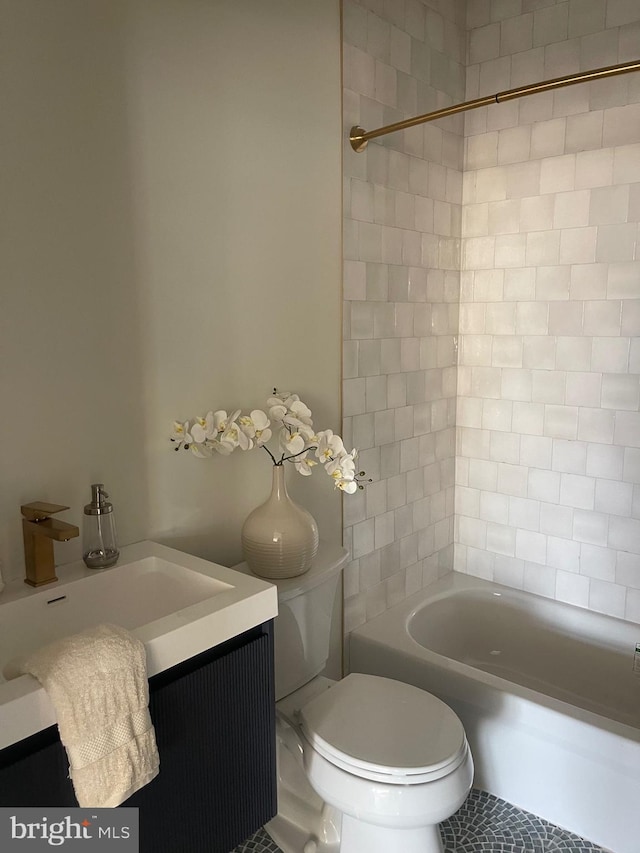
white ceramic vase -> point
(279, 538)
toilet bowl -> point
(387, 762)
(365, 764)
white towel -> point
(97, 682)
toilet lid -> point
(376, 727)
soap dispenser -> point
(99, 548)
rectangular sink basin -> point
(130, 596)
(177, 604)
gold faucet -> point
(39, 531)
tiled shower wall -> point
(402, 274)
(548, 438)
(547, 425)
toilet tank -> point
(306, 607)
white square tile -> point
(548, 386)
(483, 474)
(577, 491)
(621, 392)
(627, 428)
(571, 209)
(616, 243)
(535, 451)
(512, 479)
(558, 174)
(532, 318)
(528, 418)
(500, 318)
(613, 497)
(586, 16)
(536, 213)
(500, 539)
(505, 447)
(572, 588)
(588, 281)
(563, 554)
(596, 425)
(584, 131)
(627, 570)
(494, 507)
(506, 351)
(594, 168)
(602, 317)
(509, 571)
(556, 520)
(578, 245)
(624, 534)
(561, 421)
(607, 598)
(605, 461)
(610, 354)
(510, 250)
(543, 248)
(547, 137)
(597, 562)
(626, 167)
(569, 457)
(583, 389)
(544, 486)
(609, 205)
(540, 580)
(516, 384)
(523, 179)
(531, 546)
(566, 318)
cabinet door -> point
(215, 721)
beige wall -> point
(171, 208)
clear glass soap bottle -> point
(99, 548)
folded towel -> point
(97, 682)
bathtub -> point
(549, 695)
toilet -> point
(365, 764)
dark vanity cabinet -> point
(214, 717)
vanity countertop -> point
(177, 604)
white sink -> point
(178, 605)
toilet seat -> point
(384, 730)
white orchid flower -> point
(202, 451)
(233, 437)
(348, 486)
(303, 465)
(284, 398)
(343, 467)
(180, 432)
(277, 412)
(221, 420)
(330, 446)
(203, 429)
(222, 432)
(292, 443)
(256, 427)
(301, 411)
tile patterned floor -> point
(484, 824)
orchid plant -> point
(298, 442)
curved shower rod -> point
(359, 137)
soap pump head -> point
(99, 504)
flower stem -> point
(273, 458)
(288, 458)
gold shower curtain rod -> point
(359, 137)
